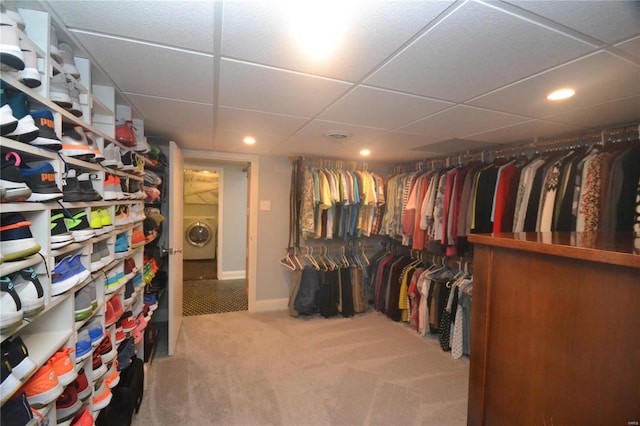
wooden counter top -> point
(612, 248)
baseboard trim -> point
(232, 275)
(270, 305)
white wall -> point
(233, 223)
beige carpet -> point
(243, 368)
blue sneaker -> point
(122, 245)
(96, 332)
(83, 346)
(137, 280)
(47, 137)
(78, 268)
(112, 282)
(63, 277)
(126, 351)
(42, 182)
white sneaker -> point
(10, 52)
(8, 122)
(26, 131)
(29, 76)
(53, 47)
(13, 13)
(74, 94)
(112, 156)
(11, 313)
(142, 145)
(68, 63)
(30, 290)
(59, 91)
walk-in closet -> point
(319, 212)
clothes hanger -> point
(287, 262)
(309, 256)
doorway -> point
(214, 261)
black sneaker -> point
(16, 411)
(15, 352)
(71, 189)
(16, 240)
(60, 235)
(85, 184)
(125, 188)
(42, 182)
(11, 179)
(47, 137)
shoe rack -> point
(55, 327)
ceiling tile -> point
(258, 122)
(597, 78)
(632, 46)
(165, 22)
(474, 50)
(608, 21)
(384, 109)
(263, 32)
(454, 146)
(189, 124)
(231, 141)
(267, 89)
(527, 132)
(152, 70)
(460, 121)
(608, 114)
(383, 144)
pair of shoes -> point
(115, 278)
(47, 384)
(25, 131)
(16, 366)
(101, 256)
(113, 188)
(89, 336)
(99, 369)
(16, 240)
(60, 235)
(106, 350)
(112, 156)
(80, 144)
(137, 239)
(79, 187)
(101, 221)
(126, 134)
(126, 351)
(79, 226)
(113, 375)
(122, 246)
(123, 215)
(83, 418)
(11, 179)
(22, 296)
(68, 273)
(113, 311)
(86, 302)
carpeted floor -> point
(246, 368)
(201, 297)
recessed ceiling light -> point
(249, 140)
(560, 94)
(319, 27)
(365, 152)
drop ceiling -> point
(408, 79)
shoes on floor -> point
(16, 240)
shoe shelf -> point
(55, 326)
(7, 268)
(26, 151)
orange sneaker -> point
(63, 366)
(137, 239)
(101, 396)
(113, 375)
(83, 418)
(43, 388)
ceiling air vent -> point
(337, 136)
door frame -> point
(199, 158)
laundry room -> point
(201, 189)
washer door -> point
(199, 234)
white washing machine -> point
(200, 237)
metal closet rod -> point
(628, 133)
(332, 163)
